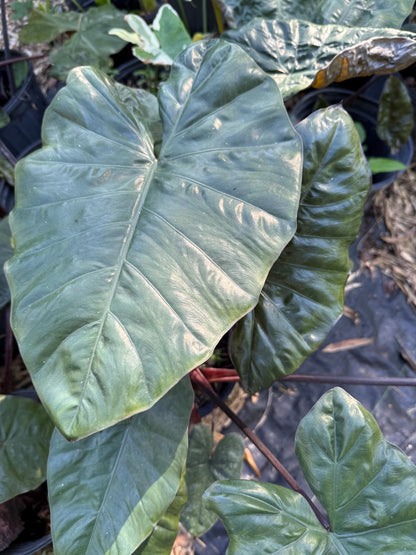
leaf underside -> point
(108, 491)
(367, 486)
(127, 269)
(303, 294)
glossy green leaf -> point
(203, 467)
(299, 54)
(128, 269)
(162, 538)
(108, 491)
(25, 432)
(303, 294)
(367, 485)
(91, 44)
(353, 13)
(6, 251)
(45, 26)
(264, 518)
(395, 118)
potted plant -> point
(155, 226)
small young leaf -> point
(21, 9)
(367, 486)
(25, 432)
(159, 43)
(203, 468)
(381, 165)
(395, 115)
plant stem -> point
(199, 379)
(229, 375)
(204, 17)
(7, 154)
(218, 17)
(350, 99)
(22, 59)
(81, 9)
(9, 70)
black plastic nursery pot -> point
(25, 109)
(363, 110)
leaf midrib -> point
(127, 239)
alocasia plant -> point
(143, 231)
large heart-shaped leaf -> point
(128, 269)
(25, 432)
(299, 53)
(353, 13)
(6, 251)
(367, 486)
(203, 467)
(303, 294)
(108, 491)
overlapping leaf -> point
(303, 294)
(164, 533)
(128, 269)
(299, 54)
(367, 486)
(354, 13)
(203, 467)
(108, 491)
(25, 432)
